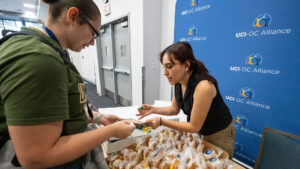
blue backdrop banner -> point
(251, 48)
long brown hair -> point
(182, 51)
(88, 8)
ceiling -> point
(16, 8)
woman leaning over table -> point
(196, 92)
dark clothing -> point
(218, 117)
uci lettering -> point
(231, 98)
(244, 34)
(234, 68)
(240, 34)
(184, 12)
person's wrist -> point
(97, 119)
(154, 110)
(114, 129)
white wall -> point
(76, 59)
(89, 57)
(86, 62)
(167, 38)
(152, 46)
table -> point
(131, 111)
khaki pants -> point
(223, 139)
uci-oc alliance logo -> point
(194, 2)
(242, 120)
(262, 20)
(247, 93)
(192, 31)
(194, 6)
(192, 35)
(254, 59)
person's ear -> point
(72, 15)
(187, 65)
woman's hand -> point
(107, 119)
(145, 111)
(122, 129)
(154, 122)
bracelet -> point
(98, 118)
(159, 121)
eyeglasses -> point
(97, 34)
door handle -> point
(107, 68)
(122, 71)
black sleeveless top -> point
(218, 117)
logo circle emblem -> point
(247, 93)
(254, 59)
(242, 120)
(262, 20)
(192, 31)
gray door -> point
(114, 61)
(123, 60)
(107, 66)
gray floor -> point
(96, 100)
